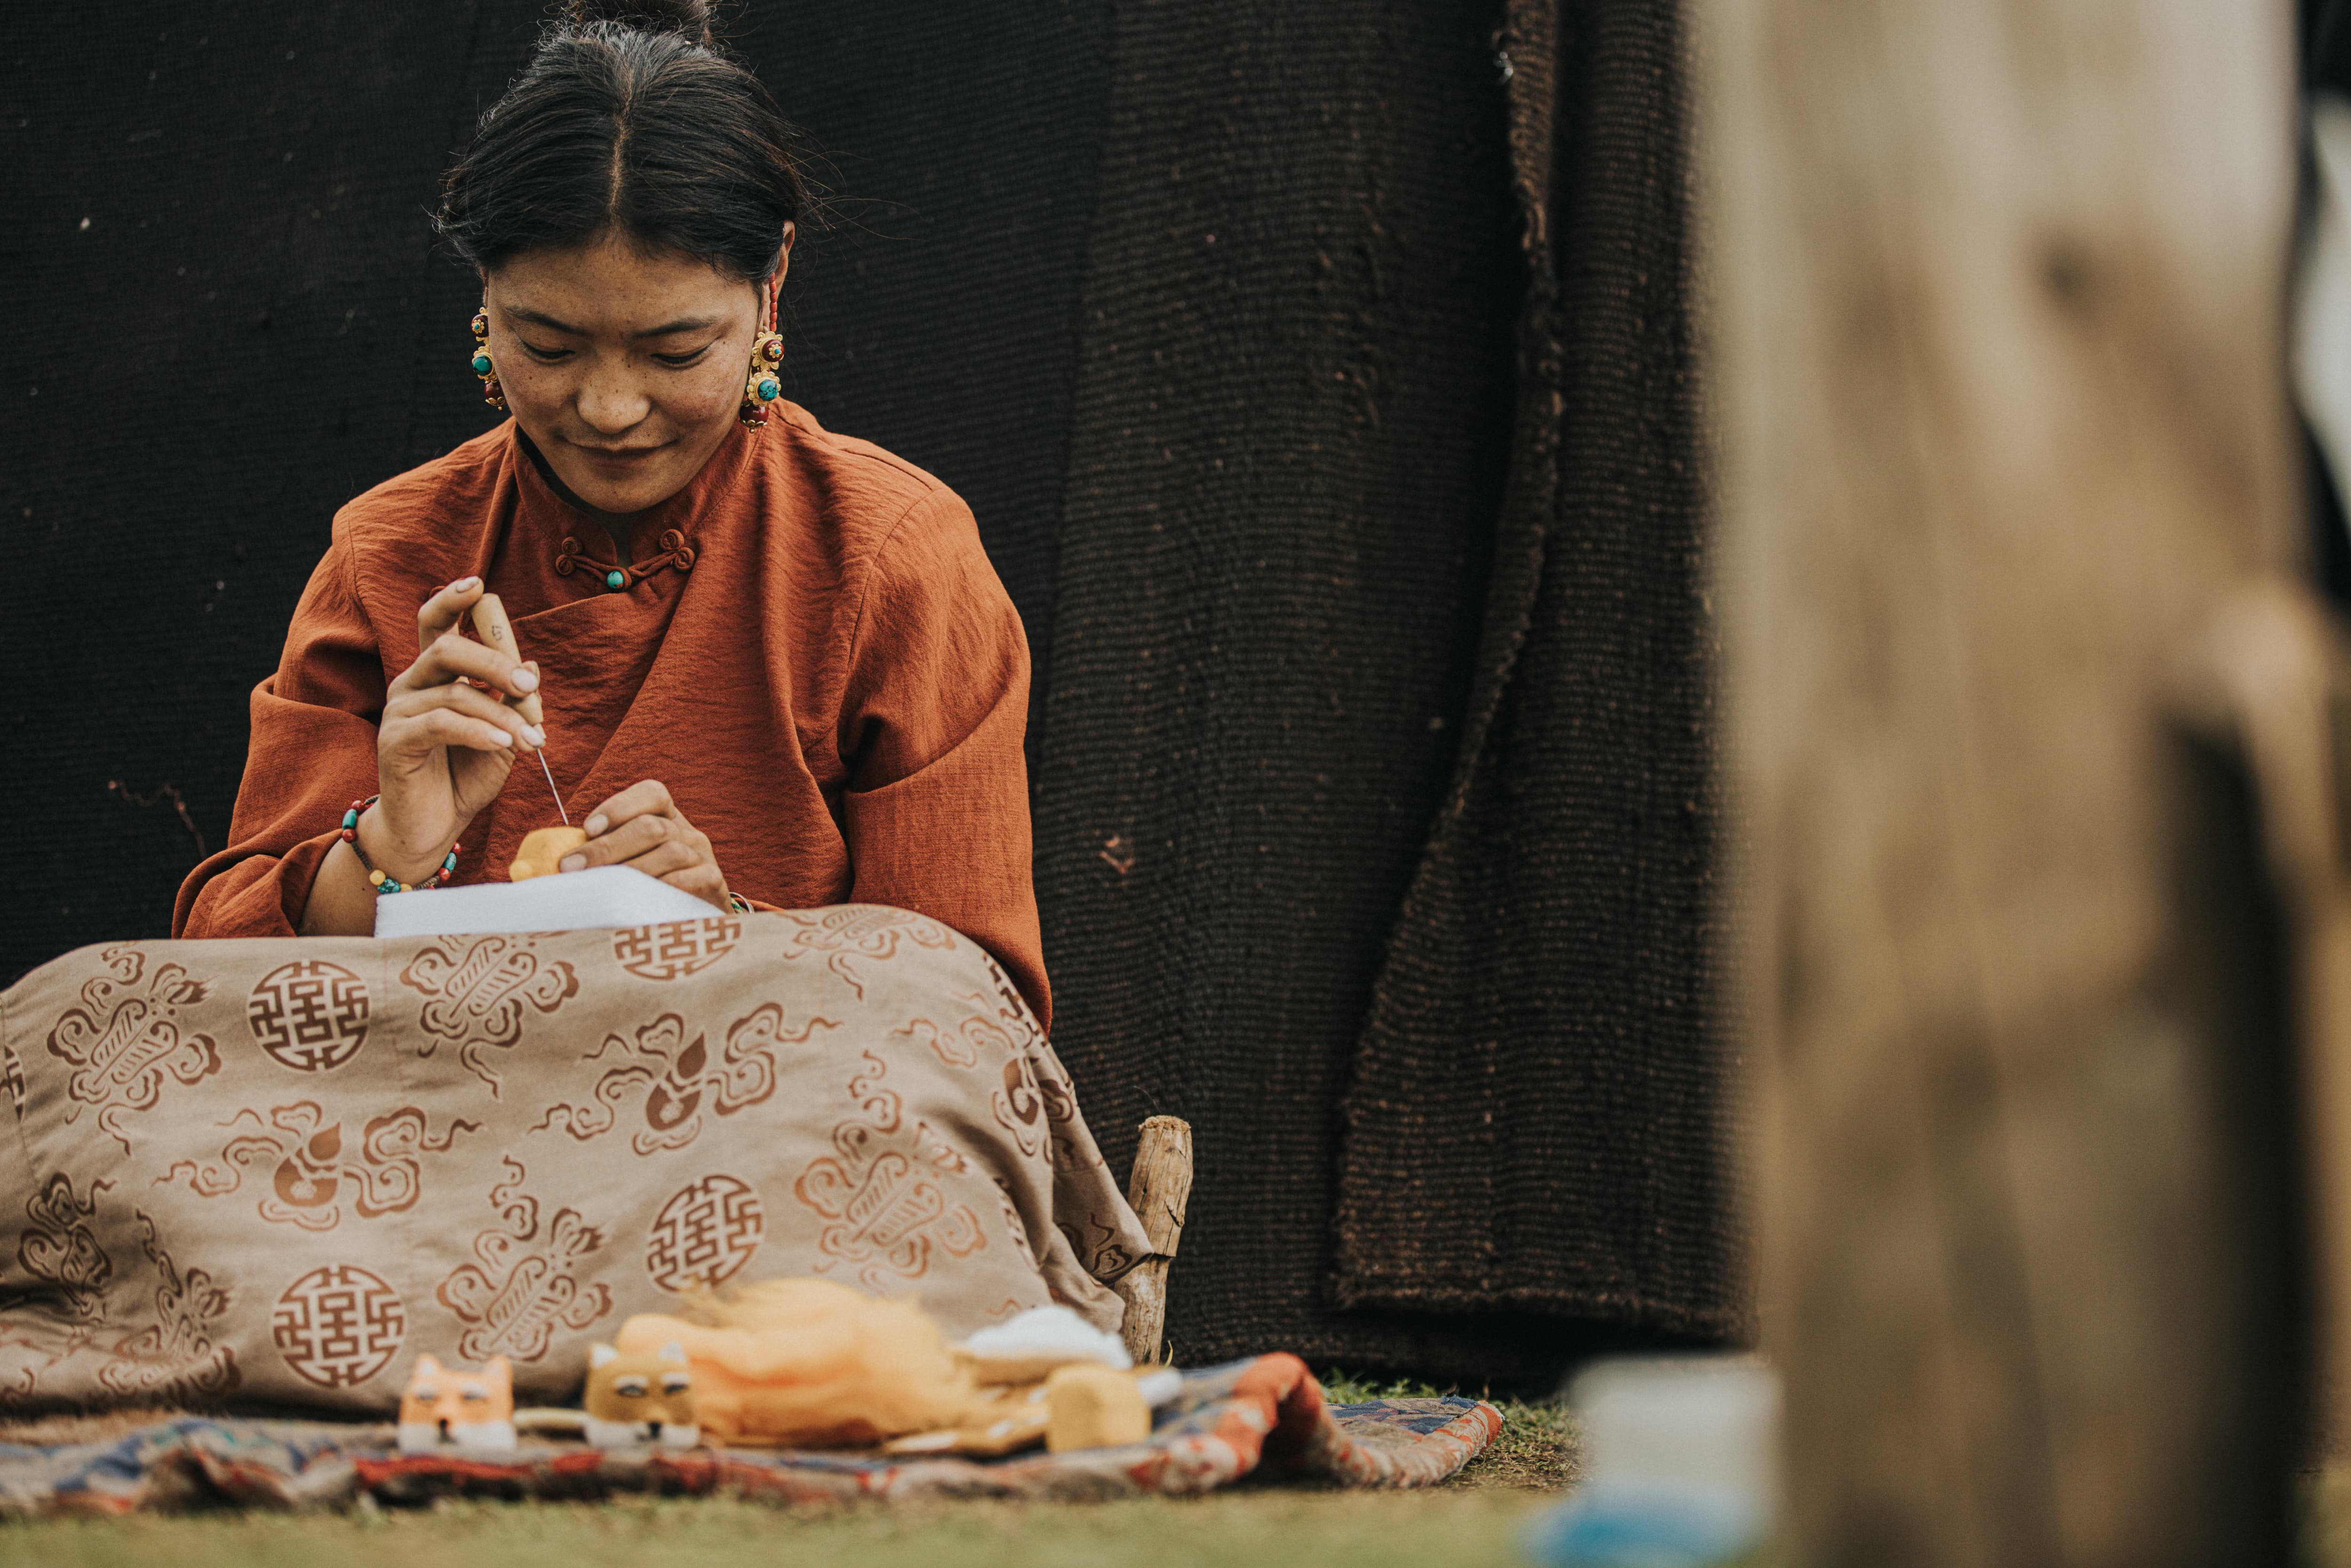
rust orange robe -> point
(835, 690)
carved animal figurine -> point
(542, 851)
(639, 1398)
(443, 1407)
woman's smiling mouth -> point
(618, 456)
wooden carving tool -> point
(490, 623)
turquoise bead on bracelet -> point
(349, 834)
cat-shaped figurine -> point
(443, 1407)
(639, 1398)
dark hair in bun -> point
(629, 119)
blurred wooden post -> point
(1998, 366)
(1159, 1188)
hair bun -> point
(686, 18)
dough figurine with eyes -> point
(542, 851)
(639, 1398)
(443, 1407)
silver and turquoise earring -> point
(492, 394)
(764, 385)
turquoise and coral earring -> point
(764, 385)
(492, 394)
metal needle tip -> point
(551, 790)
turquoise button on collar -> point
(615, 580)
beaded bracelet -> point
(350, 835)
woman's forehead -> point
(609, 288)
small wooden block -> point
(542, 851)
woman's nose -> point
(611, 402)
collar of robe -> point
(673, 549)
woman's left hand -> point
(641, 827)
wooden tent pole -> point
(1159, 1188)
(1997, 360)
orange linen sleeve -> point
(311, 754)
(936, 809)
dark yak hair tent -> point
(1322, 378)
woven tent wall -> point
(1319, 377)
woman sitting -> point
(777, 673)
(775, 662)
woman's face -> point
(625, 368)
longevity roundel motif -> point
(681, 947)
(310, 1016)
(705, 1233)
(339, 1325)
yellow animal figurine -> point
(443, 1408)
(634, 1398)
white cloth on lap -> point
(601, 898)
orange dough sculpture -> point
(542, 851)
(812, 1364)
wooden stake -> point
(1159, 1189)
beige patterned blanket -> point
(272, 1172)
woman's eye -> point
(679, 361)
(546, 356)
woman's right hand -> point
(445, 748)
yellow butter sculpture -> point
(542, 851)
(1091, 1407)
(811, 1364)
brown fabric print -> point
(1020, 1108)
(1097, 1246)
(124, 1039)
(59, 1248)
(705, 1233)
(476, 994)
(523, 1287)
(1074, 1148)
(310, 1176)
(1012, 1008)
(679, 1080)
(679, 948)
(976, 1036)
(851, 931)
(13, 1067)
(174, 1357)
(1017, 1228)
(942, 1154)
(23, 1359)
(883, 1212)
(310, 1016)
(339, 1325)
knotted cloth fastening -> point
(618, 579)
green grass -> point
(1245, 1528)
(1474, 1518)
